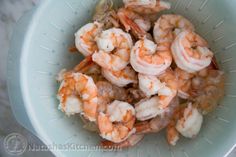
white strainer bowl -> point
(39, 51)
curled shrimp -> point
(134, 22)
(85, 38)
(184, 83)
(114, 49)
(191, 52)
(129, 142)
(120, 78)
(167, 27)
(147, 6)
(172, 134)
(159, 122)
(116, 125)
(190, 124)
(149, 58)
(78, 94)
(151, 107)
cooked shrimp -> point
(149, 108)
(107, 93)
(190, 124)
(129, 142)
(169, 91)
(120, 78)
(78, 94)
(159, 122)
(149, 84)
(169, 26)
(114, 49)
(184, 83)
(149, 58)
(134, 22)
(85, 38)
(207, 89)
(191, 52)
(147, 6)
(117, 124)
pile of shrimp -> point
(143, 72)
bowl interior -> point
(47, 53)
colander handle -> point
(13, 72)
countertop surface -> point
(10, 12)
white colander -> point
(39, 51)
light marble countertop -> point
(10, 12)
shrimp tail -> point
(128, 24)
(82, 66)
(214, 63)
(143, 127)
